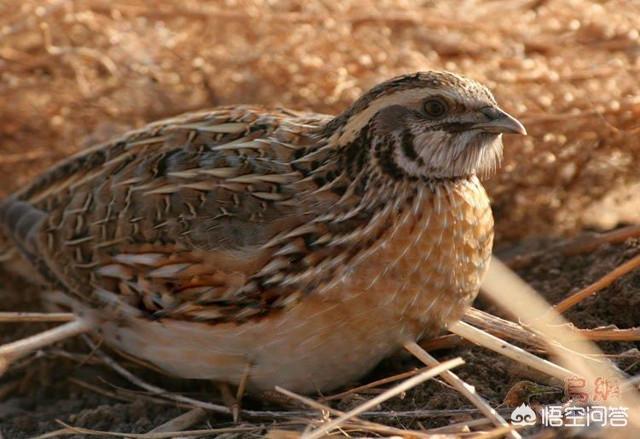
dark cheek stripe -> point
(406, 142)
(384, 154)
(407, 145)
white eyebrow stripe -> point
(404, 97)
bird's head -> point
(429, 124)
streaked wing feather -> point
(174, 218)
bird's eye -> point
(435, 108)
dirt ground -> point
(74, 73)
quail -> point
(301, 247)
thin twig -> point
(576, 246)
(14, 317)
(504, 328)
(608, 333)
(55, 433)
(447, 341)
(500, 346)
(396, 390)
(242, 387)
(182, 422)
(598, 285)
(465, 389)
(154, 389)
(459, 427)
(161, 435)
(133, 395)
(496, 432)
(591, 243)
(18, 349)
(374, 384)
(98, 390)
(7, 388)
(137, 361)
(371, 426)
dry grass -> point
(74, 72)
(77, 72)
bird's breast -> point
(427, 268)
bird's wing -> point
(193, 217)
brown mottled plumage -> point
(303, 246)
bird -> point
(280, 247)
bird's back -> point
(211, 186)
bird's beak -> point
(500, 122)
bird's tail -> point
(19, 221)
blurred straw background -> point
(76, 72)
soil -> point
(45, 387)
